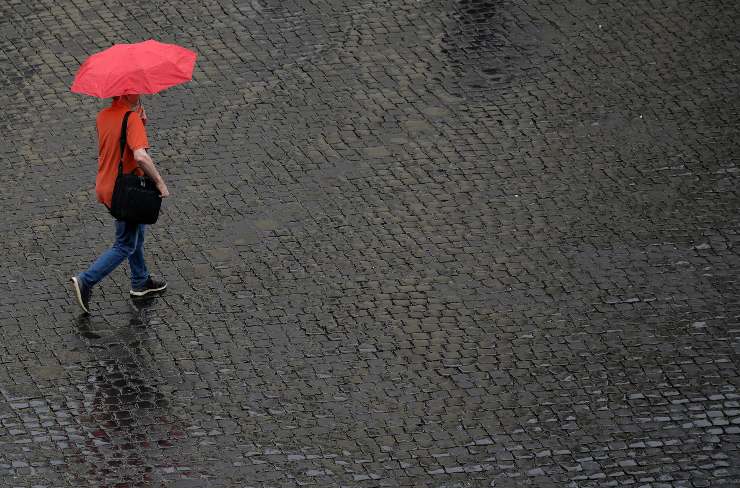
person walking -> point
(124, 72)
(129, 237)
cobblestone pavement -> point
(411, 243)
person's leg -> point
(139, 272)
(124, 246)
(142, 283)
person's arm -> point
(146, 163)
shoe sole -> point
(78, 294)
(146, 292)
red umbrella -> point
(142, 68)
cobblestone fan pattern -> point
(426, 243)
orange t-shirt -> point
(109, 147)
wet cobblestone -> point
(423, 243)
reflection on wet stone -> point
(478, 41)
(127, 420)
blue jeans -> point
(129, 244)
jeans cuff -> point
(139, 283)
(83, 281)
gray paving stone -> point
(450, 243)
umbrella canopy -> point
(143, 68)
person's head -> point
(132, 100)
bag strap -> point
(124, 127)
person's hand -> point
(142, 113)
(163, 191)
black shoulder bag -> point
(135, 198)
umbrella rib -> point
(139, 69)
